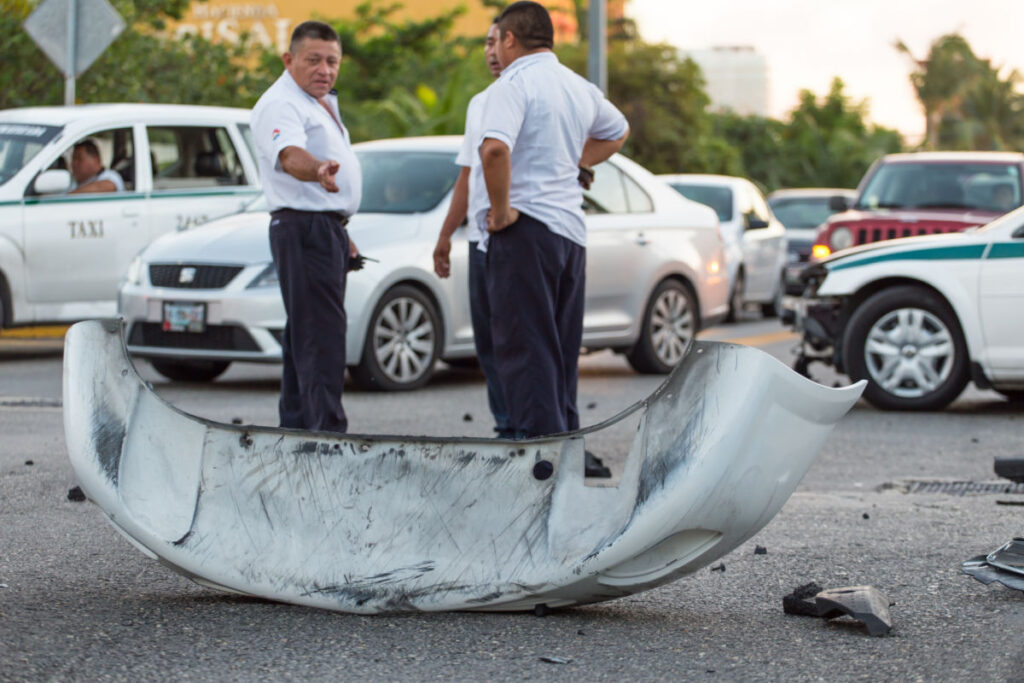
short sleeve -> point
(504, 113)
(114, 177)
(276, 126)
(609, 124)
(465, 157)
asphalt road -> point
(78, 602)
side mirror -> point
(56, 181)
(755, 223)
(838, 204)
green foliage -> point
(967, 103)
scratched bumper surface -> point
(372, 524)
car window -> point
(607, 194)
(186, 157)
(247, 136)
(117, 153)
(985, 186)
(758, 207)
(638, 200)
(801, 212)
(19, 144)
(403, 181)
(717, 197)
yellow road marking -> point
(39, 332)
(764, 339)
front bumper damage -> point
(371, 524)
(819, 321)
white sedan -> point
(920, 317)
(197, 301)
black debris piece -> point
(29, 463)
(866, 604)
(580, 632)
(974, 439)
(760, 550)
(866, 516)
(720, 567)
(1010, 502)
(541, 610)
(236, 420)
(591, 405)
(801, 601)
(467, 418)
(594, 467)
(1010, 468)
(552, 659)
(76, 495)
(543, 469)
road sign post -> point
(73, 33)
(597, 55)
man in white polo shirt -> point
(469, 203)
(541, 123)
(313, 185)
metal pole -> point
(69, 71)
(597, 55)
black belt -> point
(337, 215)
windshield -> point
(19, 143)
(404, 181)
(982, 186)
(718, 198)
(801, 212)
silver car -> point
(199, 300)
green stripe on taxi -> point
(959, 252)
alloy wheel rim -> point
(403, 339)
(671, 326)
(909, 352)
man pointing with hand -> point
(313, 184)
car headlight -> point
(133, 276)
(268, 278)
(841, 238)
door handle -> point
(641, 239)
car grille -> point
(866, 235)
(195, 277)
(214, 338)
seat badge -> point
(187, 276)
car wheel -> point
(907, 343)
(190, 370)
(403, 342)
(736, 298)
(669, 323)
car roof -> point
(812, 192)
(438, 143)
(59, 116)
(703, 178)
(953, 157)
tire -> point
(736, 298)
(907, 342)
(773, 309)
(670, 322)
(190, 370)
(403, 342)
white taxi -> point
(62, 254)
(920, 317)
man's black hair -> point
(530, 23)
(89, 146)
(316, 30)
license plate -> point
(182, 317)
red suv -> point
(903, 195)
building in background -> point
(737, 78)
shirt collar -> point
(287, 77)
(528, 60)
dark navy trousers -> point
(535, 286)
(311, 253)
(480, 314)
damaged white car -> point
(372, 524)
(921, 317)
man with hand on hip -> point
(313, 184)
(470, 203)
(542, 123)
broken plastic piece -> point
(551, 659)
(801, 601)
(75, 495)
(1009, 557)
(1010, 468)
(979, 568)
(372, 524)
(866, 604)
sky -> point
(808, 42)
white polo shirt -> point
(469, 157)
(285, 116)
(545, 112)
(104, 174)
